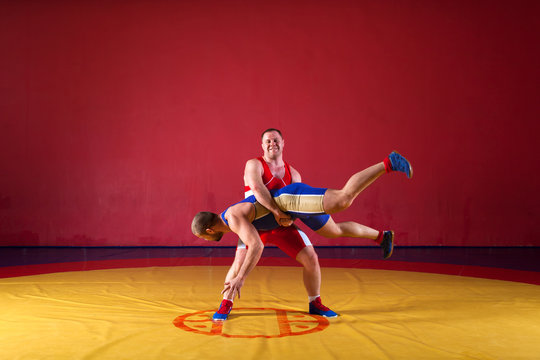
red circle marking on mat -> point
(192, 322)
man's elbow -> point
(258, 190)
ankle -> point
(379, 238)
(387, 165)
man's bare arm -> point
(240, 223)
(295, 175)
(239, 258)
(253, 178)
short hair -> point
(271, 129)
(202, 221)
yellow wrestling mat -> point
(164, 313)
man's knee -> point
(345, 201)
(339, 202)
(308, 257)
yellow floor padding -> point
(164, 313)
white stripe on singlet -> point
(304, 237)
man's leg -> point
(385, 239)
(312, 271)
(312, 281)
(347, 229)
(339, 200)
(295, 243)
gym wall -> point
(119, 120)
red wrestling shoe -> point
(223, 311)
(317, 308)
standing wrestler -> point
(270, 172)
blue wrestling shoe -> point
(387, 244)
(223, 311)
(317, 308)
(399, 163)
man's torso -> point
(280, 177)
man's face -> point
(272, 144)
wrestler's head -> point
(203, 224)
(272, 143)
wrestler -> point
(271, 172)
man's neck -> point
(221, 226)
(277, 161)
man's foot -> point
(399, 163)
(223, 311)
(387, 244)
(317, 308)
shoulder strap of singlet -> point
(266, 168)
(288, 172)
(222, 216)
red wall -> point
(120, 120)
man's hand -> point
(233, 286)
(283, 219)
